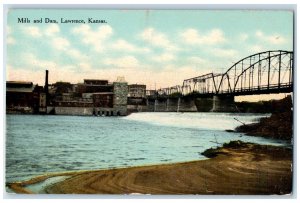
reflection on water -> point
(41, 144)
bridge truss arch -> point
(269, 71)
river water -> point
(37, 144)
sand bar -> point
(247, 169)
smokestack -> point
(46, 86)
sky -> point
(159, 48)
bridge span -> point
(266, 72)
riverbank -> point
(278, 126)
(236, 168)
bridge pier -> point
(172, 104)
(204, 104)
(160, 105)
(178, 104)
(168, 101)
(224, 103)
(186, 105)
(218, 103)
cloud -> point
(34, 63)
(123, 45)
(259, 34)
(256, 48)
(166, 57)
(9, 38)
(33, 31)
(128, 66)
(60, 43)
(94, 38)
(196, 59)
(170, 75)
(52, 30)
(74, 53)
(193, 37)
(51, 34)
(243, 37)
(224, 53)
(85, 67)
(157, 39)
(63, 44)
(122, 62)
(274, 39)
(21, 74)
(33, 69)
(58, 73)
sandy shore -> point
(234, 169)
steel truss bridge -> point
(261, 73)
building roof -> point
(137, 85)
(19, 86)
(95, 85)
(19, 82)
(95, 80)
(20, 89)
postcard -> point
(158, 101)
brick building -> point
(137, 90)
(22, 97)
(97, 97)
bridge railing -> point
(284, 87)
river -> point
(37, 144)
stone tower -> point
(120, 96)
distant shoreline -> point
(238, 168)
